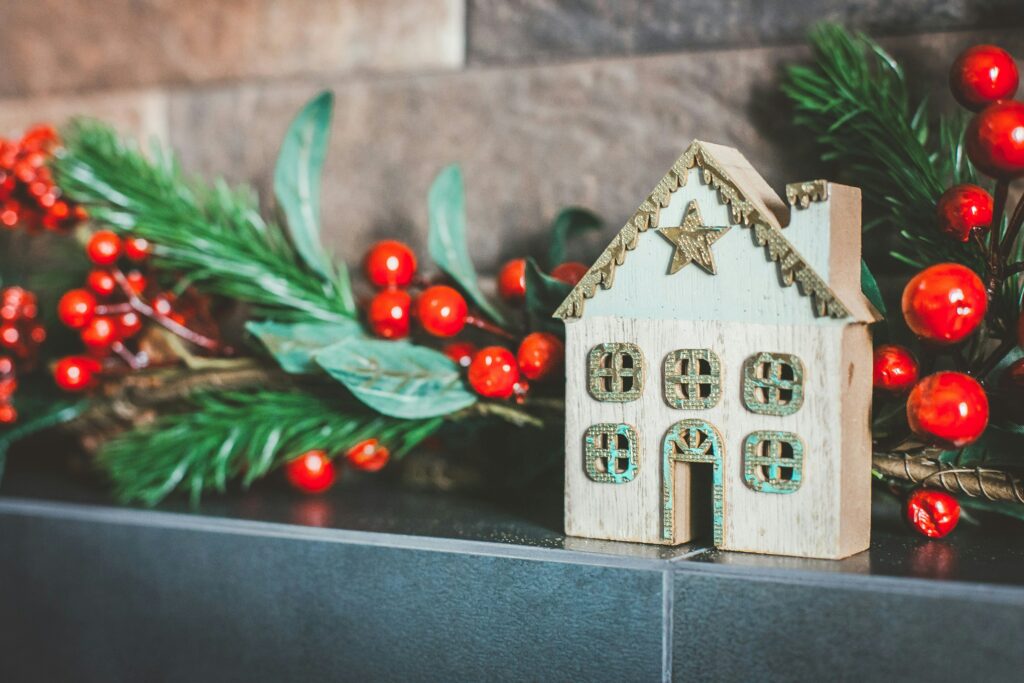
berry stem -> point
(1013, 269)
(135, 362)
(174, 326)
(113, 309)
(1013, 229)
(992, 361)
(482, 324)
(999, 208)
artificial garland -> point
(174, 396)
(927, 216)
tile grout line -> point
(668, 619)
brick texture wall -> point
(544, 103)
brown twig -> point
(143, 308)
(482, 324)
(976, 482)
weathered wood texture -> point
(516, 31)
(59, 46)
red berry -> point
(461, 353)
(136, 248)
(539, 354)
(512, 280)
(933, 513)
(982, 75)
(136, 282)
(570, 272)
(948, 408)
(368, 455)
(100, 333)
(895, 368)
(163, 303)
(101, 282)
(128, 325)
(963, 208)
(8, 385)
(311, 472)
(8, 415)
(76, 308)
(390, 263)
(6, 367)
(76, 373)
(493, 372)
(995, 139)
(104, 248)
(389, 313)
(442, 311)
(944, 303)
(10, 335)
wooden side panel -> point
(805, 522)
(855, 513)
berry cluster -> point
(945, 304)
(28, 195)
(441, 311)
(314, 471)
(110, 310)
(20, 337)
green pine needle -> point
(855, 103)
(231, 435)
(213, 233)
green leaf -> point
(569, 222)
(869, 286)
(55, 413)
(543, 295)
(297, 179)
(294, 345)
(446, 204)
(396, 378)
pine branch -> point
(856, 104)
(212, 233)
(228, 435)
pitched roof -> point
(752, 204)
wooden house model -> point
(718, 363)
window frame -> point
(753, 460)
(773, 383)
(672, 380)
(593, 452)
(596, 372)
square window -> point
(611, 453)
(773, 384)
(773, 462)
(615, 372)
(692, 379)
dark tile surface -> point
(752, 627)
(105, 601)
(504, 32)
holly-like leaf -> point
(543, 295)
(294, 345)
(869, 286)
(297, 179)
(397, 378)
(446, 205)
(569, 222)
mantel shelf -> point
(380, 582)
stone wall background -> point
(544, 103)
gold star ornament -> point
(693, 240)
